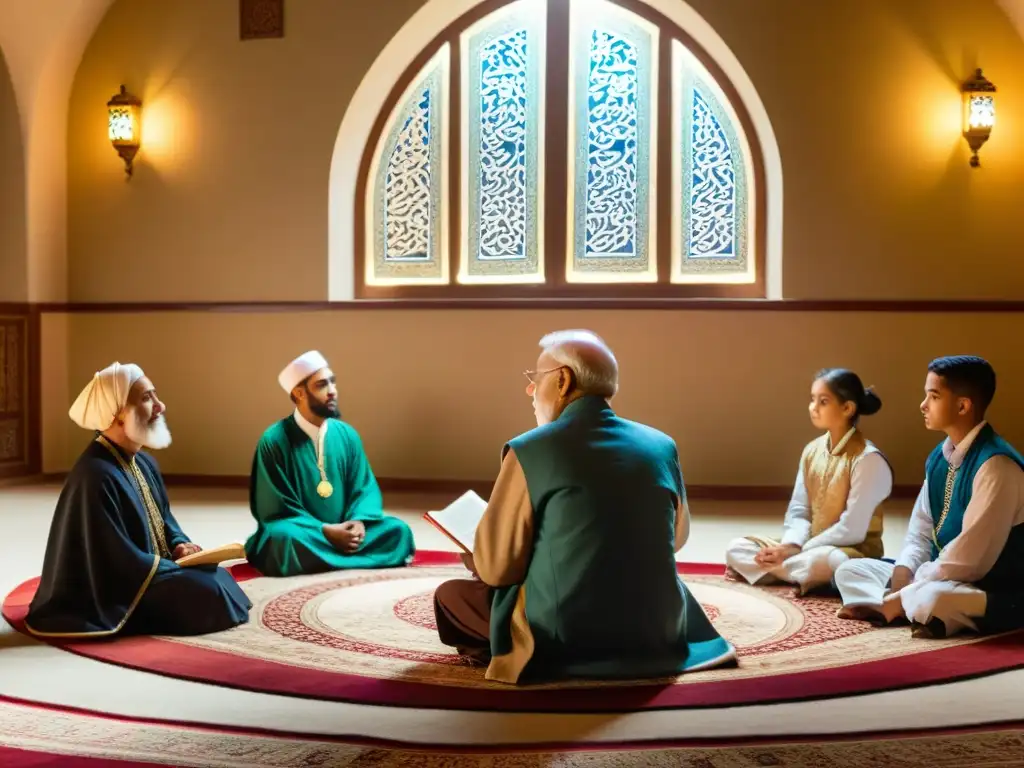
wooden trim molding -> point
(453, 488)
(20, 410)
(901, 306)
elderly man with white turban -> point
(110, 558)
(315, 499)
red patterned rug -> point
(369, 637)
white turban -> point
(300, 369)
(104, 396)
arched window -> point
(570, 148)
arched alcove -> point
(428, 63)
(13, 241)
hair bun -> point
(870, 403)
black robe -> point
(101, 575)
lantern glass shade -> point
(123, 122)
(979, 112)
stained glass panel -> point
(614, 76)
(710, 207)
(408, 218)
(502, 149)
(611, 164)
(711, 225)
(407, 186)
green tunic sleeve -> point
(364, 501)
(272, 494)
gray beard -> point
(155, 436)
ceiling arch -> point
(1015, 10)
(43, 42)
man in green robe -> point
(574, 557)
(315, 499)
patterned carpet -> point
(32, 736)
(369, 637)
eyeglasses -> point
(535, 376)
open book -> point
(233, 551)
(459, 520)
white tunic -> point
(996, 506)
(942, 588)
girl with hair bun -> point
(835, 511)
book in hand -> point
(233, 551)
(459, 520)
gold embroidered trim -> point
(157, 536)
(842, 443)
(831, 460)
(120, 624)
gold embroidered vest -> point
(827, 474)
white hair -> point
(155, 436)
(590, 359)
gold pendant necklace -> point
(324, 488)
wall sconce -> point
(123, 126)
(979, 113)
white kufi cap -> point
(104, 397)
(300, 369)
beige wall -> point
(230, 198)
(13, 257)
(229, 202)
(864, 99)
(435, 393)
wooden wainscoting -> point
(20, 423)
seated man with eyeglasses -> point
(574, 558)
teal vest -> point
(987, 443)
(602, 595)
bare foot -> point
(860, 613)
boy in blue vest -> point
(962, 562)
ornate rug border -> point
(985, 657)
